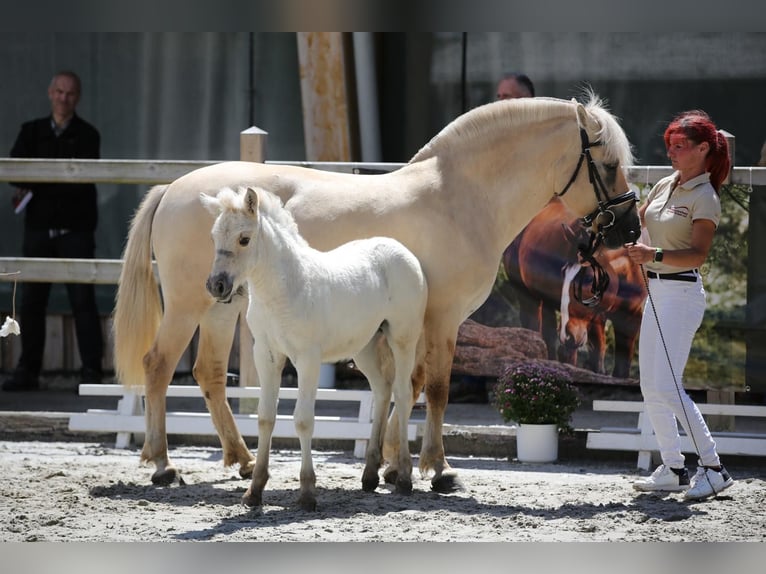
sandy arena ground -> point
(73, 491)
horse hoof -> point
(370, 481)
(165, 477)
(446, 483)
(246, 471)
(251, 500)
(391, 476)
(369, 485)
(308, 504)
(404, 487)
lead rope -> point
(673, 374)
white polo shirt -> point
(673, 208)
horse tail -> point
(138, 309)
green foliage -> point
(533, 394)
(717, 358)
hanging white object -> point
(10, 327)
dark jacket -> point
(59, 205)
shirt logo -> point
(679, 210)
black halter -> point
(603, 217)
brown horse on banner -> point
(543, 270)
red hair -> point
(697, 126)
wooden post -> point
(730, 139)
(721, 422)
(326, 110)
(324, 94)
(252, 147)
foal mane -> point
(500, 118)
(270, 208)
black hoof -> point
(308, 503)
(391, 476)
(446, 484)
(165, 477)
(404, 487)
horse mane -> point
(269, 205)
(498, 118)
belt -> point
(690, 275)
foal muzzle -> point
(220, 286)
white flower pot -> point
(537, 443)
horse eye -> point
(244, 241)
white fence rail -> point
(151, 172)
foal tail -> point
(138, 309)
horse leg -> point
(269, 366)
(440, 348)
(549, 329)
(596, 345)
(626, 331)
(368, 362)
(308, 381)
(216, 334)
(173, 336)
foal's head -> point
(234, 233)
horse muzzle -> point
(220, 286)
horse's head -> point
(233, 236)
(603, 200)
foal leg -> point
(269, 366)
(368, 363)
(404, 359)
(216, 333)
(308, 381)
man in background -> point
(59, 221)
(515, 85)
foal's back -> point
(339, 299)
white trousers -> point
(680, 306)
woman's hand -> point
(640, 253)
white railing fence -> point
(151, 172)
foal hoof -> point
(446, 483)
(165, 477)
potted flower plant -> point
(541, 398)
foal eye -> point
(244, 241)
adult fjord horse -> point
(456, 205)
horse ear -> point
(582, 115)
(251, 201)
(211, 203)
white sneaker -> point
(708, 482)
(664, 478)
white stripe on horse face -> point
(570, 271)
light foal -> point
(312, 307)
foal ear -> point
(251, 201)
(211, 203)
